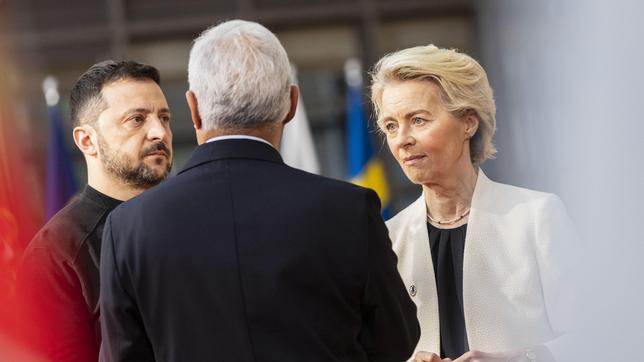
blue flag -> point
(365, 169)
(60, 184)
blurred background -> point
(567, 77)
(62, 39)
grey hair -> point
(240, 75)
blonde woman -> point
(485, 263)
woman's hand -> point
(477, 356)
(471, 356)
(429, 357)
(541, 353)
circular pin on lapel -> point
(412, 290)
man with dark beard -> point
(122, 127)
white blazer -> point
(516, 275)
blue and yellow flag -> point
(365, 169)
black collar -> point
(232, 148)
(108, 203)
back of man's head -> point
(240, 75)
(86, 102)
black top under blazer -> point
(243, 258)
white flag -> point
(297, 147)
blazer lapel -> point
(415, 263)
(474, 267)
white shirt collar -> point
(238, 137)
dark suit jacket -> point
(243, 258)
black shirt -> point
(447, 246)
(59, 279)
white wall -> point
(568, 77)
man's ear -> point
(295, 95)
(194, 109)
(85, 140)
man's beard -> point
(120, 166)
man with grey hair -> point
(241, 257)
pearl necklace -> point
(457, 219)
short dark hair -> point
(88, 87)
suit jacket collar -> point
(232, 149)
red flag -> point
(20, 215)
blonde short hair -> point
(462, 82)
